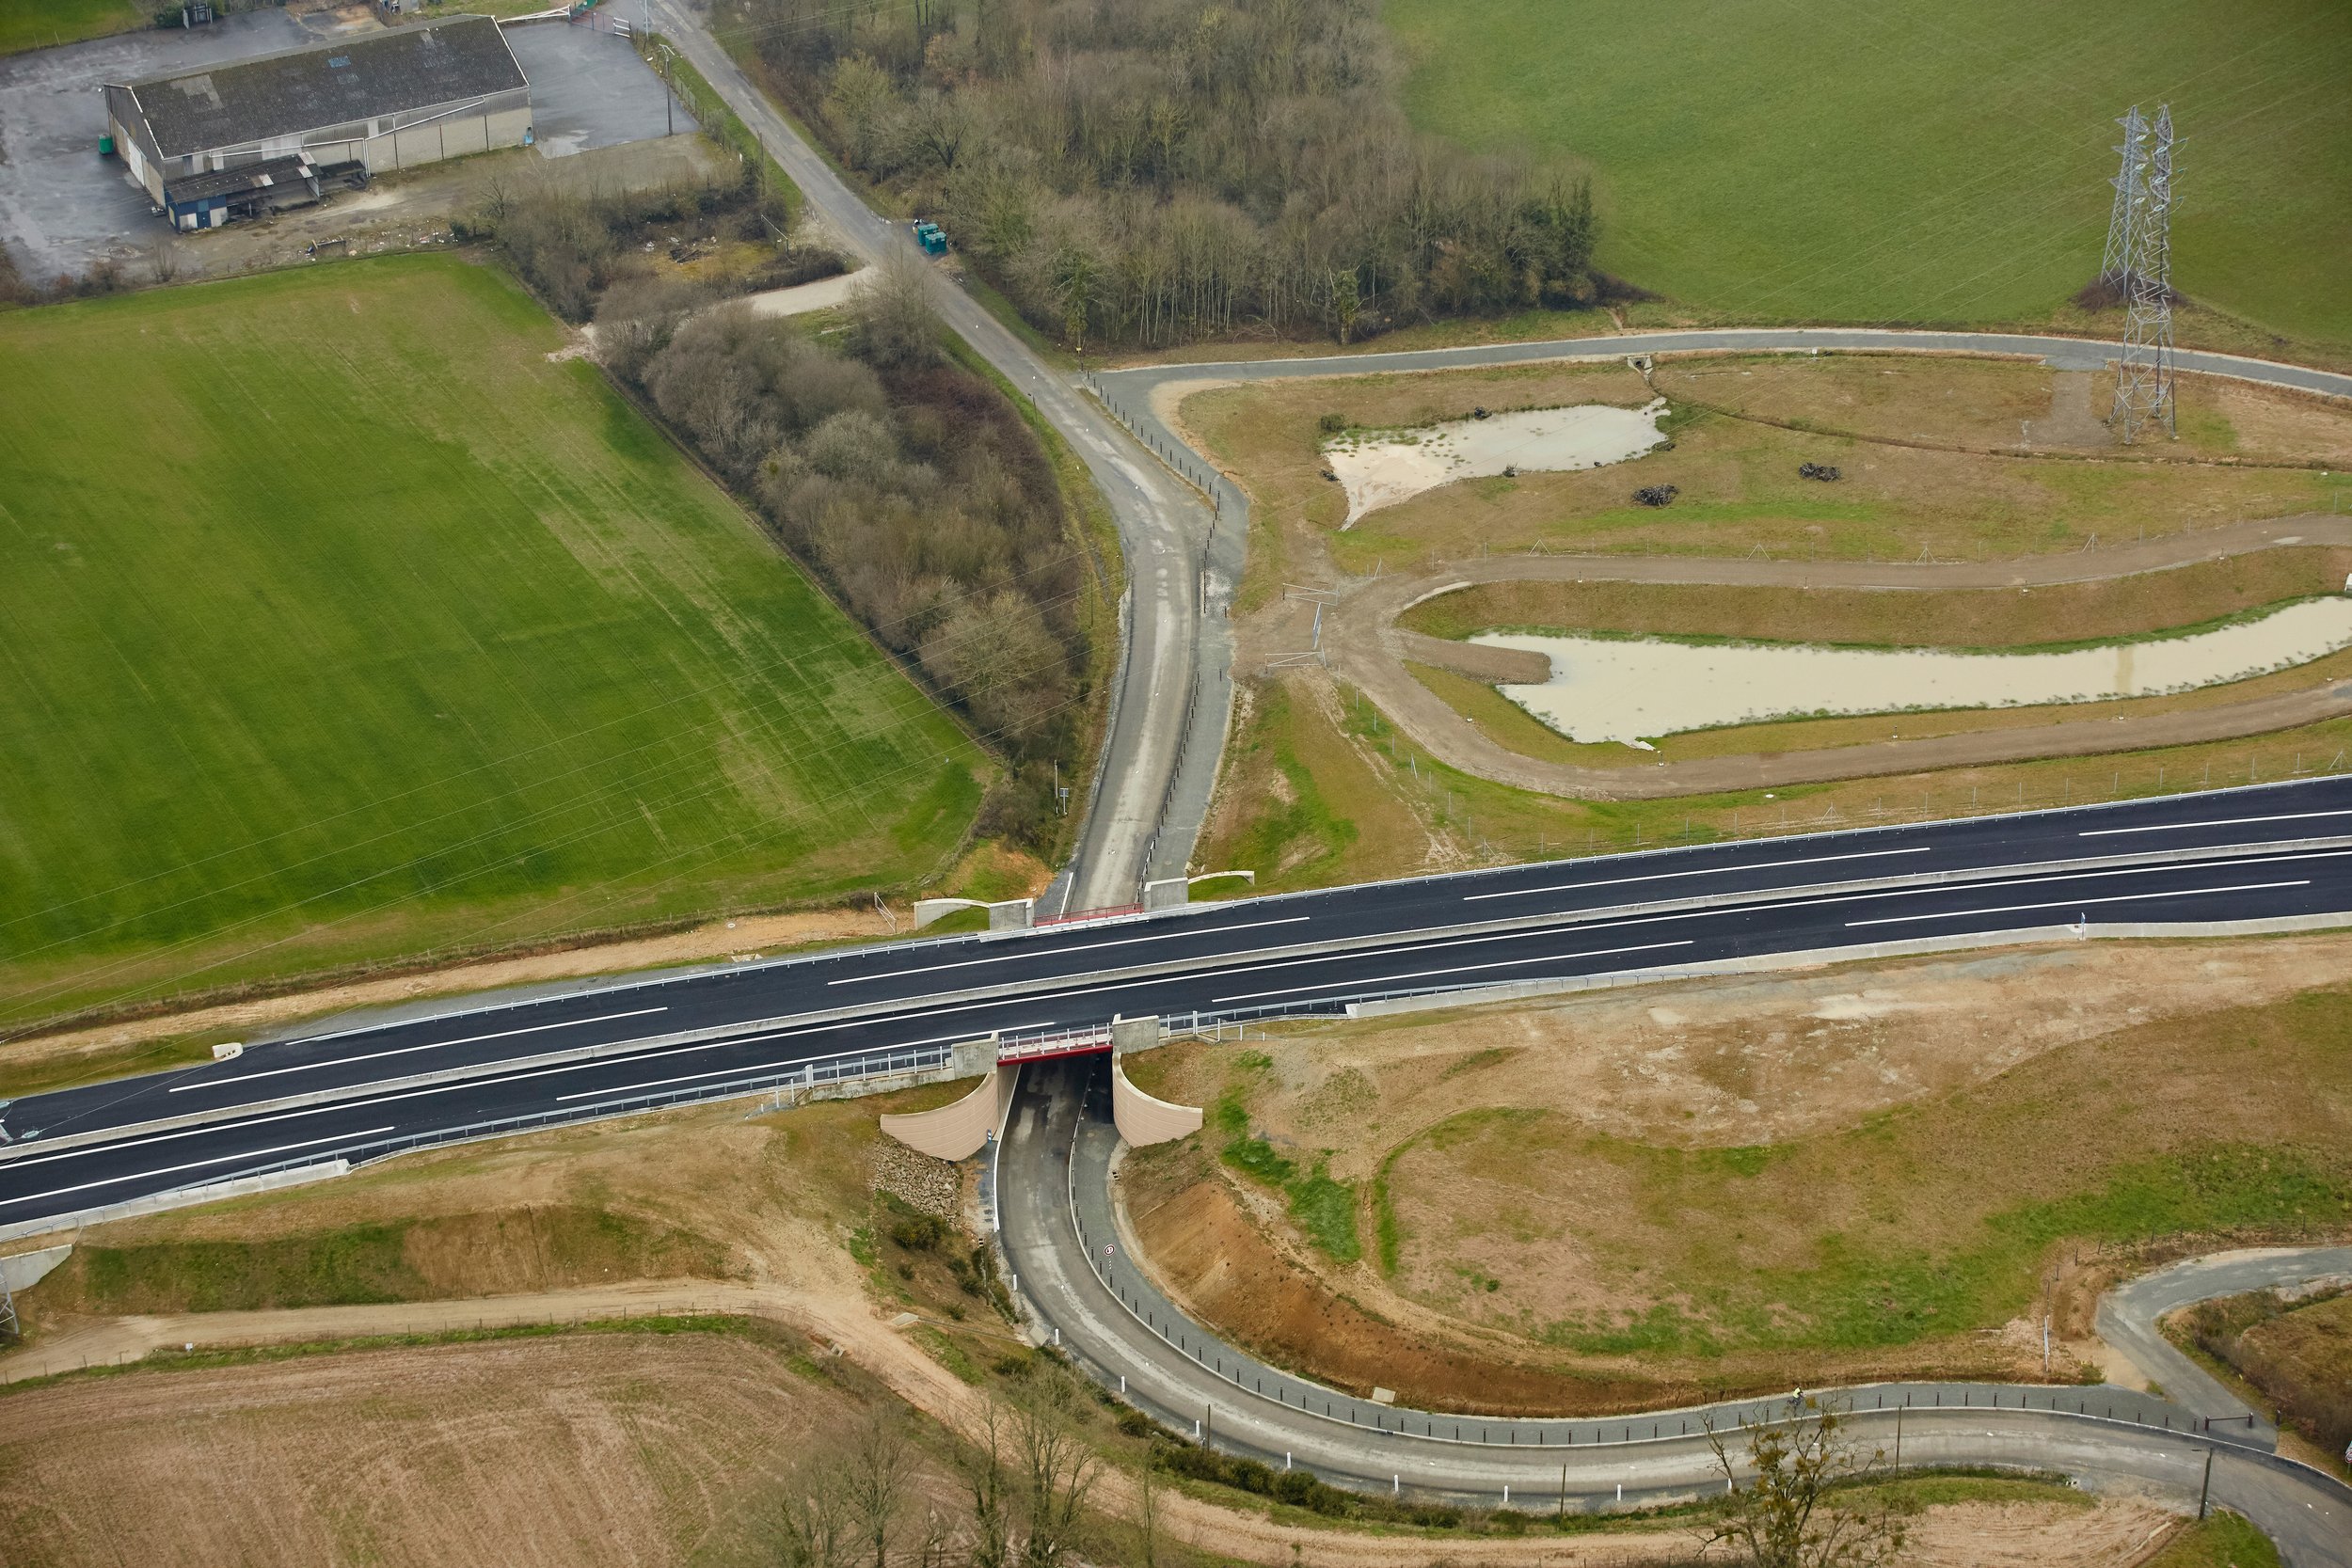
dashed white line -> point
(1703, 871)
(1460, 969)
(2072, 903)
(230, 1080)
(2223, 822)
(1087, 947)
(726, 1071)
(198, 1164)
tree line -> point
(1144, 172)
(907, 483)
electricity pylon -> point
(2143, 375)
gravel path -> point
(1366, 648)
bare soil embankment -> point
(1752, 1184)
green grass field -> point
(39, 24)
(337, 623)
(1917, 161)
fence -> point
(798, 1081)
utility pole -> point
(2206, 1492)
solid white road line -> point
(805, 1061)
(198, 1164)
(1089, 947)
(2072, 903)
(1460, 969)
(1065, 993)
(235, 1078)
(2224, 822)
(1703, 871)
(210, 1126)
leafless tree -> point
(1200, 165)
(897, 324)
(1781, 1510)
(1058, 1473)
(878, 1471)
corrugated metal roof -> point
(329, 84)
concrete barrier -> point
(1147, 971)
(1141, 1119)
(1823, 957)
(21, 1271)
(962, 1129)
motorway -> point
(1061, 1237)
(2272, 852)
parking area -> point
(64, 207)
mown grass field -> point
(1914, 161)
(341, 623)
(39, 23)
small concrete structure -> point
(962, 1129)
(1012, 914)
(1141, 1118)
(1169, 892)
(24, 1269)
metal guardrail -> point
(1059, 1042)
(850, 1068)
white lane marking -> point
(1286, 963)
(1707, 871)
(1089, 947)
(198, 1164)
(721, 1072)
(167, 1137)
(2070, 903)
(231, 1079)
(1460, 969)
(2224, 822)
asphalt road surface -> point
(1182, 567)
(1067, 1255)
(1173, 695)
(2271, 852)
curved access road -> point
(1362, 643)
(1364, 646)
(1171, 696)
(1173, 693)
(1063, 1242)
(2128, 1316)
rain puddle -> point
(1381, 472)
(1604, 690)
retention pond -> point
(1635, 691)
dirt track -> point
(1367, 649)
(488, 1439)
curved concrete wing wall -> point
(1142, 1119)
(960, 1131)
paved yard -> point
(63, 207)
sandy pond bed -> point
(1604, 690)
(1378, 472)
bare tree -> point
(1786, 1516)
(802, 1522)
(877, 1474)
(1057, 1471)
(1148, 1509)
(896, 323)
(991, 1489)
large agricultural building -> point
(237, 140)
